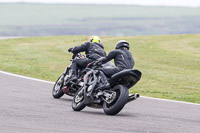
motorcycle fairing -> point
(89, 82)
(127, 77)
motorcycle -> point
(65, 84)
(94, 93)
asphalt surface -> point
(27, 106)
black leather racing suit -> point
(122, 58)
(93, 52)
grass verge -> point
(170, 64)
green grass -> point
(170, 64)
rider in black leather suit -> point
(93, 49)
(122, 58)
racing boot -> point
(74, 71)
(104, 84)
(104, 80)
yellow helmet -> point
(94, 39)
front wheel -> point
(78, 100)
(57, 91)
(119, 102)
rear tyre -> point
(57, 91)
(78, 101)
(117, 105)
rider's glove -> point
(70, 49)
(99, 61)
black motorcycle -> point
(112, 98)
(65, 83)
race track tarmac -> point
(27, 106)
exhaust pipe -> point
(137, 95)
(133, 97)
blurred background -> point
(105, 17)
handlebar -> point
(77, 54)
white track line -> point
(169, 100)
(20, 76)
(40, 80)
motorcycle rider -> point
(122, 59)
(93, 49)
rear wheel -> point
(78, 101)
(119, 102)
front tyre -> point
(57, 91)
(78, 101)
(117, 105)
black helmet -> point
(122, 43)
